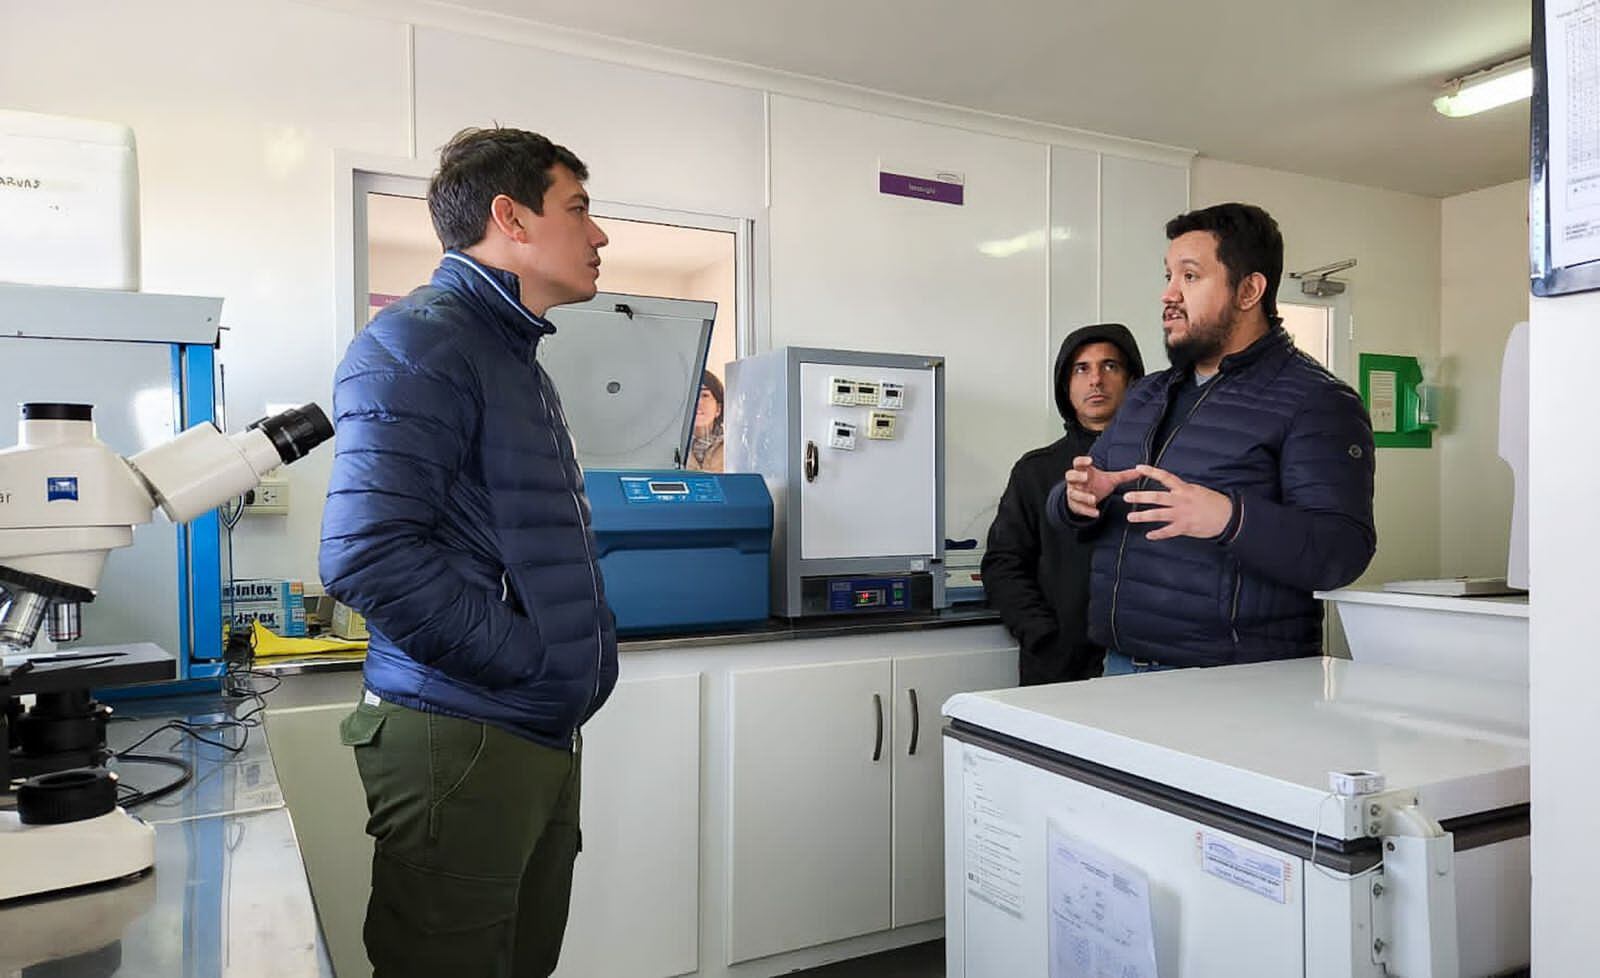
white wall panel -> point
(1564, 671)
(237, 110)
(648, 138)
(856, 269)
(1074, 255)
(1137, 199)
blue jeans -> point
(1118, 664)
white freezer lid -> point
(1263, 737)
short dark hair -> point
(1248, 241)
(477, 165)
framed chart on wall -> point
(1564, 148)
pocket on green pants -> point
(360, 727)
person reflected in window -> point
(705, 452)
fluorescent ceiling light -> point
(1487, 89)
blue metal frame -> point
(202, 656)
(200, 665)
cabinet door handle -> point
(877, 747)
(812, 461)
(916, 723)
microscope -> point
(66, 501)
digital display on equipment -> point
(869, 594)
(649, 491)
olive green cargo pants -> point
(475, 832)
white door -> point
(639, 872)
(810, 806)
(877, 498)
(921, 686)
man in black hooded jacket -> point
(1037, 576)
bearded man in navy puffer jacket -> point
(1230, 486)
(456, 522)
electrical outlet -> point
(270, 498)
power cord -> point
(135, 796)
(1316, 831)
(239, 687)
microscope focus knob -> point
(67, 796)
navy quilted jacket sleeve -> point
(1320, 535)
(404, 425)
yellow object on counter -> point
(269, 643)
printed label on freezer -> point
(993, 840)
(1100, 920)
(1265, 873)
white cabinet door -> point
(810, 806)
(636, 887)
(878, 498)
(927, 681)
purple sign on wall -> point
(942, 191)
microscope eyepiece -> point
(297, 431)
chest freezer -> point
(1203, 798)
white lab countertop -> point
(1484, 638)
(1506, 606)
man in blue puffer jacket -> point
(1230, 486)
(456, 522)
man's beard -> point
(1203, 342)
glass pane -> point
(402, 250)
(1311, 327)
(681, 263)
(643, 258)
(674, 262)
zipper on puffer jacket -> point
(1122, 547)
(1233, 612)
(577, 509)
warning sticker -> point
(1264, 873)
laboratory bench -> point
(228, 895)
(753, 803)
